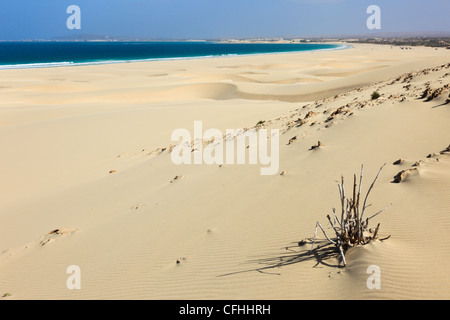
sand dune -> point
(87, 177)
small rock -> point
(426, 93)
(341, 110)
(319, 144)
(310, 115)
(402, 175)
(418, 163)
(175, 179)
(293, 139)
(436, 93)
(56, 231)
(300, 122)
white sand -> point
(62, 130)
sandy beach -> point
(87, 177)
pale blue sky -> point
(207, 19)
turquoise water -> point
(48, 54)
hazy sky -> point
(207, 19)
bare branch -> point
(368, 192)
(379, 212)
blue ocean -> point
(47, 54)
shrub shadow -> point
(324, 254)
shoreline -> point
(109, 62)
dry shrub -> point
(352, 228)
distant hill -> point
(371, 35)
(387, 35)
(86, 37)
